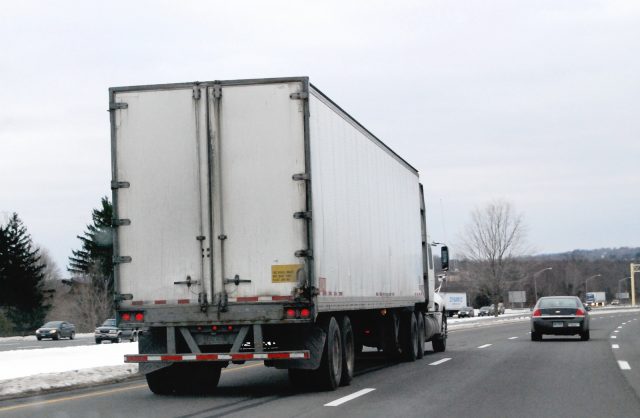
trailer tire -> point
(421, 334)
(161, 382)
(390, 337)
(439, 343)
(348, 351)
(328, 375)
(409, 336)
(197, 378)
(300, 378)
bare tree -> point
(495, 236)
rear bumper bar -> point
(278, 355)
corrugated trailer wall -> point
(366, 216)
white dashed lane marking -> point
(624, 365)
(615, 346)
(348, 398)
(512, 338)
(435, 363)
(485, 346)
(613, 336)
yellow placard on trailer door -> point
(285, 273)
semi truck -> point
(595, 298)
(256, 220)
(453, 302)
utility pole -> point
(635, 268)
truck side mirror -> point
(444, 257)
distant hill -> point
(622, 254)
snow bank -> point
(28, 371)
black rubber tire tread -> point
(328, 375)
(439, 343)
(421, 334)
(585, 335)
(348, 351)
(161, 382)
(536, 336)
(301, 379)
(409, 336)
(391, 336)
(72, 336)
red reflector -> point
(305, 313)
(367, 331)
(134, 358)
(291, 313)
(579, 312)
(230, 328)
(139, 316)
(126, 316)
(199, 328)
(214, 328)
(537, 312)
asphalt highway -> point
(492, 369)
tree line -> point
(31, 289)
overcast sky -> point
(535, 102)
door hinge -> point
(118, 297)
(121, 259)
(120, 185)
(303, 95)
(302, 215)
(301, 176)
(196, 92)
(217, 91)
(119, 105)
(304, 253)
(120, 222)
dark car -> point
(56, 330)
(466, 312)
(560, 315)
(109, 331)
(487, 311)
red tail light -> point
(579, 312)
(214, 328)
(230, 328)
(305, 313)
(126, 316)
(537, 312)
(139, 316)
(291, 313)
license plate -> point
(558, 324)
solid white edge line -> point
(485, 346)
(624, 365)
(615, 346)
(435, 363)
(347, 398)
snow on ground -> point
(27, 371)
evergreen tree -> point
(21, 277)
(95, 259)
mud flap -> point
(312, 341)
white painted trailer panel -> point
(161, 153)
(366, 216)
(219, 165)
(261, 147)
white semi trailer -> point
(255, 220)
